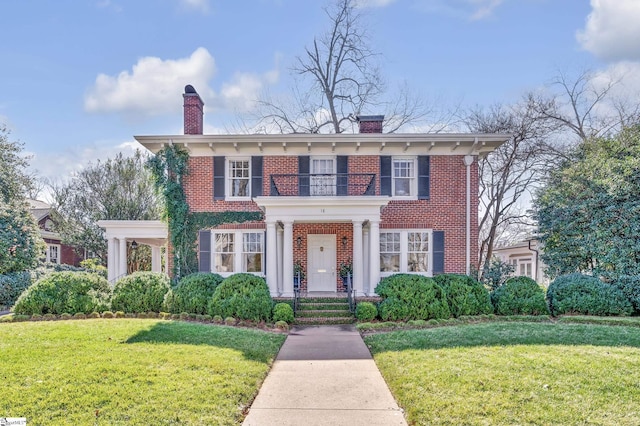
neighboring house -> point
(526, 259)
(56, 252)
(388, 203)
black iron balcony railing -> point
(323, 184)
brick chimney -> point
(193, 111)
(370, 123)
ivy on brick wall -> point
(169, 166)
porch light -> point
(344, 242)
(299, 241)
(134, 245)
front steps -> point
(323, 310)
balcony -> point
(323, 185)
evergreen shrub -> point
(140, 292)
(465, 295)
(242, 296)
(283, 312)
(583, 294)
(408, 296)
(366, 311)
(519, 296)
(192, 294)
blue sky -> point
(81, 77)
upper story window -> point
(323, 178)
(239, 178)
(404, 177)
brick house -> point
(56, 252)
(387, 203)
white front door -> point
(321, 261)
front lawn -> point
(134, 372)
(513, 373)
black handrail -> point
(350, 295)
(322, 184)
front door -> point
(321, 263)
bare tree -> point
(338, 78)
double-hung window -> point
(252, 249)
(239, 172)
(53, 253)
(237, 251)
(224, 252)
(405, 251)
(404, 177)
(323, 178)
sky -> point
(80, 78)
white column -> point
(358, 263)
(374, 254)
(287, 260)
(272, 265)
(156, 264)
(122, 258)
(365, 256)
(111, 259)
(468, 161)
(279, 233)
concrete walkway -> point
(324, 375)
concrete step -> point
(324, 314)
(324, 320)
(323, 306)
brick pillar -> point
(370, 123)
(193, 111)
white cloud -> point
(200, 5)
(372, 3)
(483, 8)
(612, 31)
(626, 78)
(152, 86)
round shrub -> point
(629, 285)
(519, 296)
(465, 295)
(366, 311)
(69, 292)
(107, 314)
(11, 287)
(283, 312)
(282, 325)
(192, 294)
(242, 296)
(408, 296)
(140, 292)
(583, 294)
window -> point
(252, 250)
(224, 259)
(389, 252)
(405, 251)
(403, 177)
(525, 268)
(237, 251)
(53, 253)
(323, 178)
(239, 178)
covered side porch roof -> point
(149, 232)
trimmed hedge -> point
(65, 292)
(465, 295)
(192, 294)
(366, 311)
(629, 285)
(140, 292)
(519, 296)
(283, 312)
(11, 287)
(409, 297)
(582, 294)
(243, 296)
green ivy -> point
(169, 166)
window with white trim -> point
(525, 268)
(237, 251)
(323, 178)
(239, 177)
(406, 251)
(404, 177)
(53, 253)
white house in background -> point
(525, 258)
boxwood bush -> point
(583, 294)
(465, 295)
(140, 292)
(408, 297)
(519, 296)
(192, 294)
(283, 312)
(629, 285)
(65, 292)
(242, 296)
(366, 311)
(11, 287)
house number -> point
(321, 210)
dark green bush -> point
(630, 287)
(583, 294)
(140, 292)
(283, 312)
(366, 311)
(242, 296)
(409, 296)
(465, 295)
(69, 292)
(519, 296)
(192, 294)
(11, 287)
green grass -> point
(133, 372)
(513, 373)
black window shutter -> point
(218, 178)
(256, 176)
(303, 175)
(204, 255)
(385, 175)
(438, 252)
(423, 177)
(342, 166)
